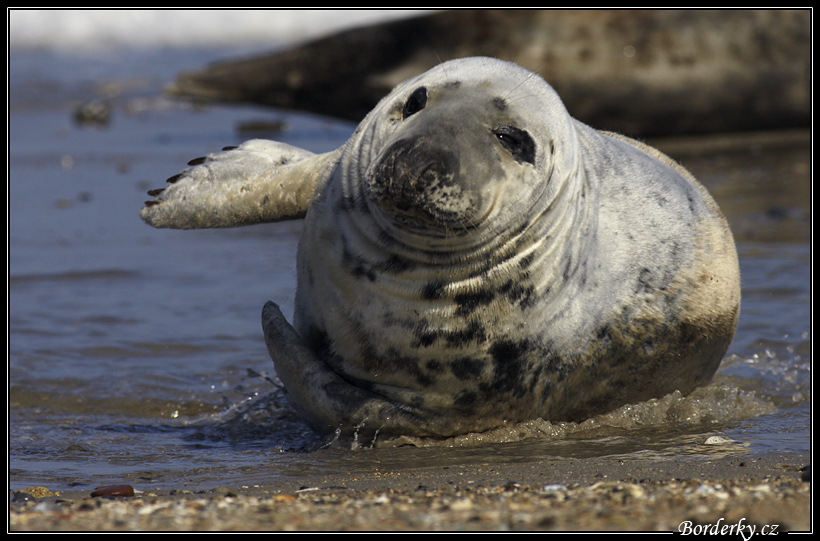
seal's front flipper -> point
(258, 181)
(326, 400)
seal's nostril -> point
(416, 180)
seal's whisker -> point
(524, 97)
(516, 87)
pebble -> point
(41, 492)
(463, 504)
(117, 491)
(46, 507)
(22, 496)
(717, 440)
(554, 488)
(93, 113)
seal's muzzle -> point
(418, 179)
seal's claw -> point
(258, 181)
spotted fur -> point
(473, 256)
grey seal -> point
(643, 72)
(473, 256)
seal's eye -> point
(517, 142)
(415, 103)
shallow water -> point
(136, 355)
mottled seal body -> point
(473, 256)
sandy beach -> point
(770, 493)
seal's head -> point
(460, 145)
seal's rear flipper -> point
(258, 181)
(330, 403)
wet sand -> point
(560, 495)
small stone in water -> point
(126, 491)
